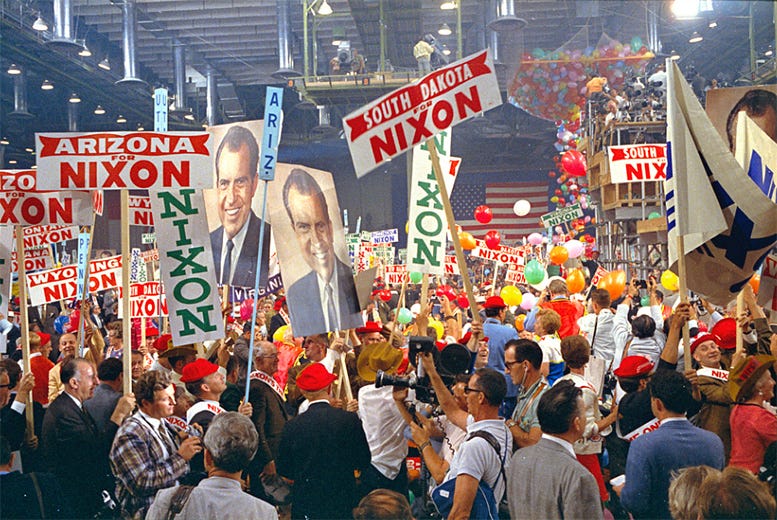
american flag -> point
(500, 197)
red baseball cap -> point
(634, 366)
(701, 338)
(494, 302)
(726, 331)
(151, 332)
(314, 378)
(370, 326)
(44, 338)
(163, 342)
(197, 369)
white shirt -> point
(561, 442)
(153, 423)
(79, 404)
(603, 343)
(383, 426)
(237, 240)
(325, 299)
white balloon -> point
(522, 207)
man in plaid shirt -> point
(147, 454)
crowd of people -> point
(459, 411)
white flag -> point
(728, 223)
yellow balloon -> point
(670, 280)
(279, 333)
(438, 328)
(511, 295)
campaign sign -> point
(21, 203)
(387, 236)
(41, 236)
(567, 214)
(637, 162)
(34, 260)
(412, 114)
(124, 160)
(140, 211)
(504, 255)
(61, 283)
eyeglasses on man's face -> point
(468, 389)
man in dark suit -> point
(269, 416)
(676, 444)
(73, 443)
(101, 405)
(324, 299)
(312, 452)
(235, 243)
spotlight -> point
(99, 110)
(325, 9)
(105, 64)
(695, 37)
(4, 141)
(14, 70)
(121, 119)
(40, 24)
(46, 85)
(85, 52)
(444, 30)
(74, 98)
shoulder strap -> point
(178, 500)
(489, 438)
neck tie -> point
(330, 307)
(166, 438)
(225, 274)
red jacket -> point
(569, 311)
(40, 366)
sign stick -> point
(740, 309)
(85, 294)
(400, 304)
(25, 323)
(125, 292)
(683, 288)
(452, 226)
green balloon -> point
(533, 272)
(654, 214)
(554, 270)
(644, 301)
(404, 316)
(416, 277)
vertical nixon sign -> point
(271, 135)
(187, 266)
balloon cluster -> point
(551, 85)
(572, 189)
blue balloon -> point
(60, 324)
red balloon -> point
(384, 295)
(493, 238)
(462, 301)
(574, 163)
(447, 291)
(483, 214)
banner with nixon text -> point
(61, 283)
(427, 223)
(394, 274)
(21, 203)
(412, 114)
(140, 211)
(637, 162)
(124, 160)
(186, 265)
(145, 301)
(34, 260)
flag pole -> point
(740, 333)
(683, 288)
(125, 294)
(452, 226)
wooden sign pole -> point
(25, 323)
(125, 292)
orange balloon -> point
(519, 322)
(616, 284)
(559, 255)
(467, 241)
(575, 281)
(755, 282)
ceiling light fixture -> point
(121, 119)
(189, 116)
(74, 98)
(712, 24)
(446, 51)
(769, 51)
(684, 9)
(85, 52)
(325, 9)
(448, 5)
(14, 70)
(140, 128)
(695, 37)
(99, 110)
(674, 55)
(40, 24)
(12, 161)
(46, 85)
(444, 30)
(4, 141)
(105, 64)
(29, 150)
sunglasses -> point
(468, 389)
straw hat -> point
(745, 375)
(378, 356)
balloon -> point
(558, 255)
(511, 295)
(493, 238)
(416, 277)
(654, 215)
(384, 295)
(519, 322)
(575, 248)
(467, 241)
(574, 163)
(755, 282)
(462, 301)
(533, 272)
(575, 281)
(404, 316)
(60, 323)
(246, 309)
(528, 301)
(669, 280)
(522, 208)
(447, 291)
(644, 301)
(636, 44)
(616, 284)
(535, 239)
(483, 214)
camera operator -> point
(475, 459)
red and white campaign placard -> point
(124, 160)
(150, 255)
(514, 274)
(41, 236)
(451, 266)
(637, 162)
(505, 254)
(414, 113)
(34, 260)
(145, 300)
(140, 211)
(598, 275)
(394, 274)
(60, 284)
(767, 291)
(22, 204)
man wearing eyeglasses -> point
(235, 243)
(523, 361)
(269, 416)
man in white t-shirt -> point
(476, 459)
